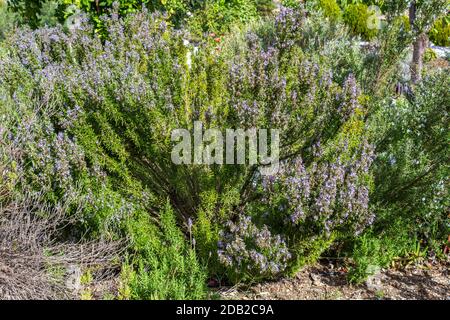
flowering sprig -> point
(330, 194)
(252, 252)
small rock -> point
(315, 279)
(374, 280)
(73, 280)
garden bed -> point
(146, 131)
(326, 282)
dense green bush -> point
(167, 267)
(411, 168)
(429, 55)
(356, 16)
(293, 4)
(373, 251)
(330, 9)
(8, 20)
(411, 178)
(35, 13)
(218, 16)
(440, 33)
(89, 120)
(201, 16)
(101, 88)
(41, 156)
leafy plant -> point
(88, 110)
(356, 16)
(411, 172)
(144, 62)
(251, 253)
(440, 33)
(167, 268)
(38, 13)
(330, 9)
(8, 20)
(429, 55)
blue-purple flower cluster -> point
(253, 251)
(329, 194)
(288, 24)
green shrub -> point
(356, 16)
(167, 266)
(8, 20)
(250, 253)
(293, 4)
(218, 16)
(440, 33)
(405, 22)
(201, 16)
(370, 254)
(27, 10)
(409, 197)
(117, 153)
(36, 13)
(265, 6)
(330, 9)
(90, 119)
(49, 13)
(381, 248)
(429, 55)
(411, 172)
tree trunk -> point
(419, 46)
(419, 49)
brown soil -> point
(321, 282)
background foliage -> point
(88, 102)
